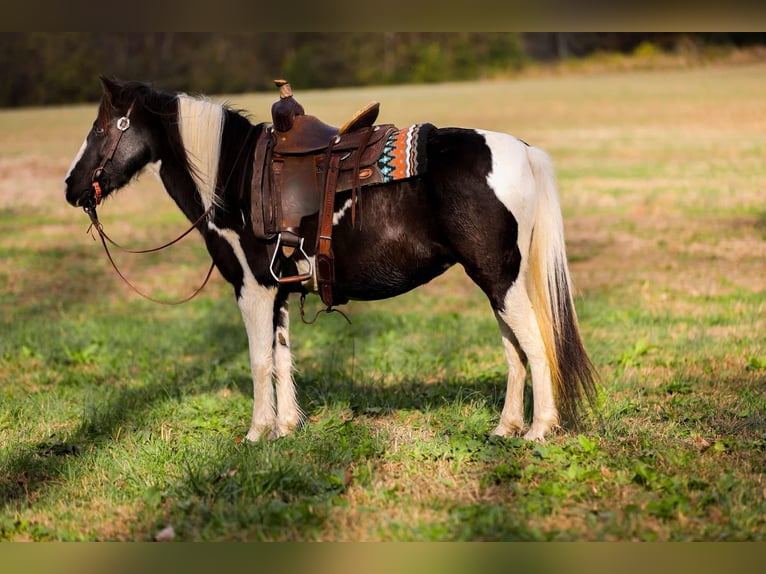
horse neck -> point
(180, 185)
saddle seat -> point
(310, 134)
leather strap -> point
(325, 259)
(263, 205)
(357, 162)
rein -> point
(96, 224)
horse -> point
(487, 201)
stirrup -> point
(291, 278)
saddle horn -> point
(286, 109)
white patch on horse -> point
(522, 179)
(289, 414)
(256, 303)
(512, 180)
(77, 158)
(200, 122)
(338, 215)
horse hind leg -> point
(519, 316)
(289, 415)
(512, 417)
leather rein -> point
(123, 124)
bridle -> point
(123, 124)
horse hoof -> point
(282, 430)
(259, 433)
(508, 430)
(534, 437)
(537, 433)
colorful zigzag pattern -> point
(404, 154)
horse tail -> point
(548, 282)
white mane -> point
(200, 122)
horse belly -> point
(396, 246)
(386, 271)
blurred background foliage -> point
(41, 68)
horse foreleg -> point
(256, 303)
(520, 317)
(289, 415)
(512, 417)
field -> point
(119, 418)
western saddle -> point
(299, 164)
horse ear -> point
(110, 87)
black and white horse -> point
(488, 201)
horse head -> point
(116, 148)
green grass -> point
(119, 417)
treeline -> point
(47, 68)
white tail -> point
(548, 285)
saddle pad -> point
(404, 154)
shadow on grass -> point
(288, 489)
(31, 468)
(27, 472)
(281, 490)
(291, 489)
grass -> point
(119, 417)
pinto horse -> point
(487, 201)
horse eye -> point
(98, 130)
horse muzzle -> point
(92, 196)
(84, 199)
